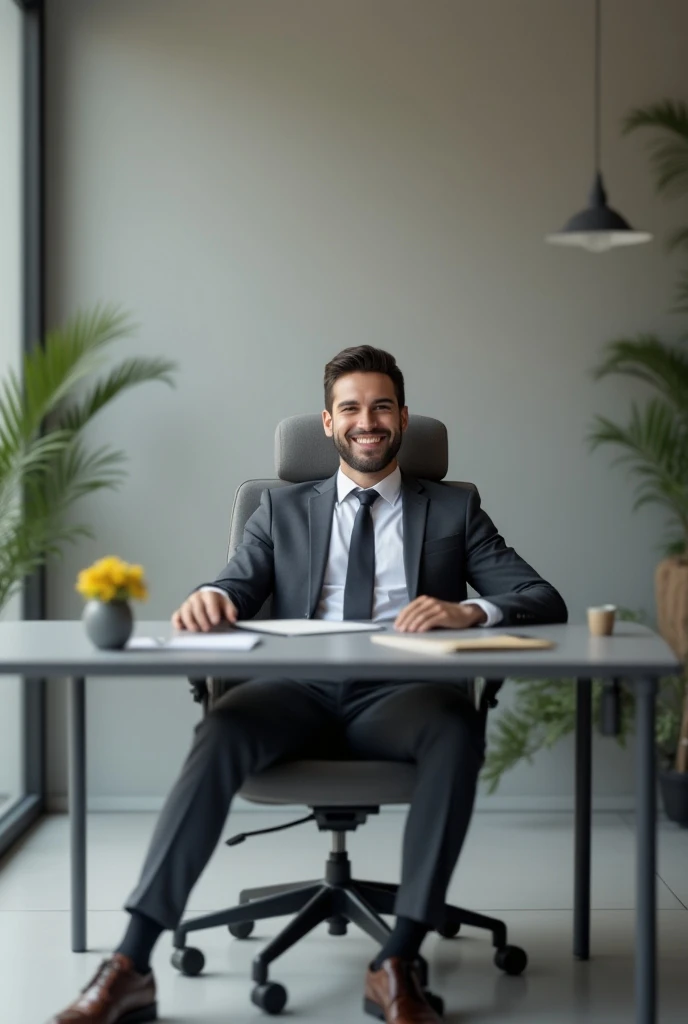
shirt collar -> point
(389, 488)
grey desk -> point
(49, 649)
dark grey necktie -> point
(360, 573)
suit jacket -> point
(449, 541)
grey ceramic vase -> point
(108, 623)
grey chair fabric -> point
(333, 783)
(303, 452)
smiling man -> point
(366, 417)
(382, 546)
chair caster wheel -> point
(449, 931)
(189, 961)
(241, 930)
(437, 1002)
(337, 925)
(271, 997)
(511, 959)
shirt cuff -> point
(218, 590)
(494, 614)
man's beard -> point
(355, 457)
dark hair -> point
(363, 359)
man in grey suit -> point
(368, 543)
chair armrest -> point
(206, 691)
(492, 688)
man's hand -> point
(203, 610)
(427, 612)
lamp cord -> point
(598, 48)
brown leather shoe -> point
(115, 995)
(394, 994)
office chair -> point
(341, 794)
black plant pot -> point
(674, 787)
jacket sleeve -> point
(499, 574)
(248, 578)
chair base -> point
(338, 899)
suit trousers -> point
(267, 720)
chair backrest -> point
(304, 452)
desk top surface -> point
(61, 648)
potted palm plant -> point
(45, 465)
(655, 444)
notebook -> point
(435, 645)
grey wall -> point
(263, 183)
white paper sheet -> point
(195, 642)
(307, 627)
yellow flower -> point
(111, 579)
(138, 591)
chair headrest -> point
(304, 452)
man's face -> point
(366, 424)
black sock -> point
(139, 939)
(405, 941)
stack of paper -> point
(195, 642)
(307, 627)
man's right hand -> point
(203, 610)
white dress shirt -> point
(390, 593)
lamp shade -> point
(598, 227)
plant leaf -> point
(127, 374)
(669, 156)
(43, 473)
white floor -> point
(515, 866)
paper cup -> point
(601, 619)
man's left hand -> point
(428, 612)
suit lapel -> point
(320, 514)
(414, 515)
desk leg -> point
(646, 855)
(77, 809)
(581, 885)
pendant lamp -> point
(598, 227)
